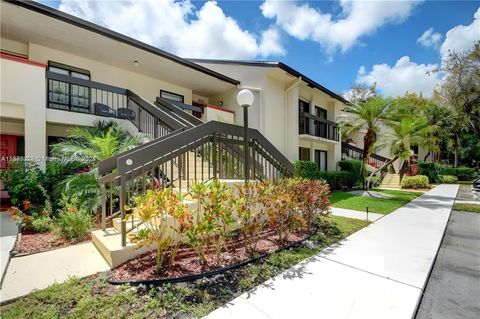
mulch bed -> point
(32, 242)
(188, 263)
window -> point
(304, 154)
(321, 159)
(321, 112)
(303, 122)
(171, 96)
(67, 96)
(321, 128)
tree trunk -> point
(368, 141)
(379, 169)
(426, 156)
(455, 150)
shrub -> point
(306, 169)
(352, 166)
(449, 179)
(23, 180)
(430, 169)
(153, 208)
(282, 210)
(251, 212)
(311, 198)
(338, 179)
(463, 173)
(417, 181)
(72, 223)
(42, 224)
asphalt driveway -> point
(453, 290)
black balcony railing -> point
(318, 126)
(354, 152)
(84, 96)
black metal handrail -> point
(318, 126)
(354, 152)
(188, 118)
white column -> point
(292, 124)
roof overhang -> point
(275, 64)
(31, 22)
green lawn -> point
(93, 297)
(463, 207)
(375, 205)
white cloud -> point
(357, 18)
(461, 37)
(178, 27)
(404, 76)
(429, 38)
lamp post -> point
(245, 99)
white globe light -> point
(245, 97)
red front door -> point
(8, 149)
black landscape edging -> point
(205, 274)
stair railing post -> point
(104, 206)
(123, 202)
(214, 155)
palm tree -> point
(90, 145)
(404, 134)
(366, 116)
(439, 118)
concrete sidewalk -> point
(8, 236)
(378, 272)
(28, 273)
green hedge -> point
(430, 169)
(463, 173)
(449, 179)
(417, 181)
(306, 169)
(336, 179)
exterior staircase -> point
(391, 180)
(184, 149)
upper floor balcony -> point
(313, 125)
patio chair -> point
(104, 110)
(126, 114)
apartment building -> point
(293, 111)
(59, 71)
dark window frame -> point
(71, 92)
(303, 122)
(172, 93)
(318, 152)
(300, 153)
(319, 109)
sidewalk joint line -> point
(371, 273)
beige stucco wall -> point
(277, 116)
(23, 91)
(213, 114)
(11, 126)
(147, 87)
(14, 46)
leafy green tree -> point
(89, 146)
(368, 116)
(403, 135)
(460, 90)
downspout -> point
(285, 103)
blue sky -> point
(336, 43)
